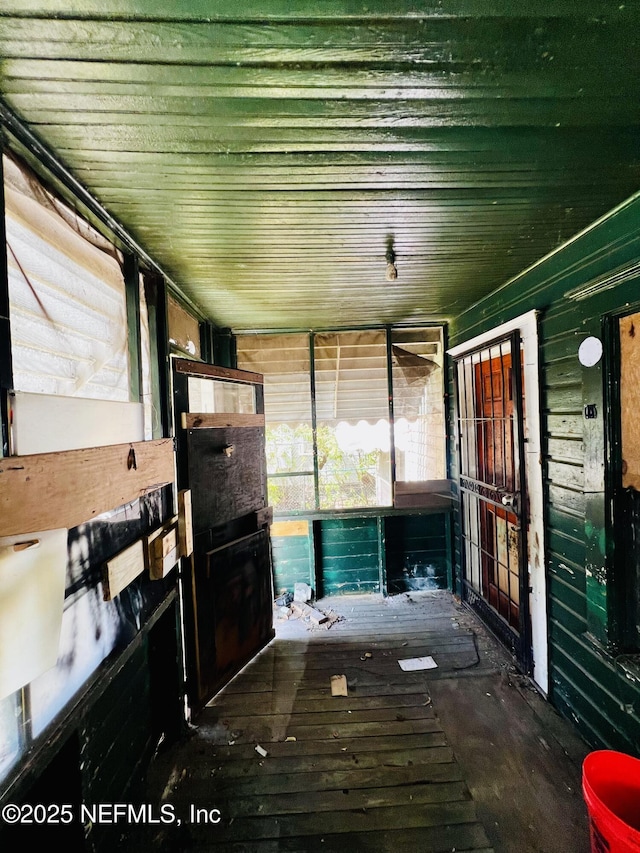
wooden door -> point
(227, 589)
(493, 498)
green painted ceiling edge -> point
(263, 154)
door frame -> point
(201, 680)
(527, 326)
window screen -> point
(284, 362)
(418, 404)
(352, 410)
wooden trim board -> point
(211, 420)
(122, 569)
(52, 490)
(213, 371)
(164, 552)
(185, 523)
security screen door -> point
(492, 491)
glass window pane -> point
(352, 411)
(11, 745)
(207, 396)
(418, 404)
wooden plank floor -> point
(467, 756)
(371, 771)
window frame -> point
(422, 488)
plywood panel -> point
(630, 399)
(225, 487)
(53, 490)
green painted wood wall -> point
(347, 554)
(417, 552)
(360, 554)
(590, 681)
(101, 749)
(292, 562)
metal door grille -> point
(492, 490)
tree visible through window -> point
(330, 439)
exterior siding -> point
(588, 682)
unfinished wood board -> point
(193, 368)
(290, 528)
(339, 685)
(214, 420)
(32, 580)
(630, 400)
(163, 549)
(124, 568)
(54, 490)
(185, 523)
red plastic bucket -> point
(611, 788)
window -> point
(418, 404)
(331, 440)
(352, 419)
(284, 360)
(67, 297)
(75, 364)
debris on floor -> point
(288, 606)
(302, 592)
(339, 685)
(415, 664)
(261, 751)
(306, 611)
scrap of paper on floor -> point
(414, 664)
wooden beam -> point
(192, 420)
(52, 490)
(212, 371)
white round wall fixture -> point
(590, 351)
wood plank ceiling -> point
(265, 152)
